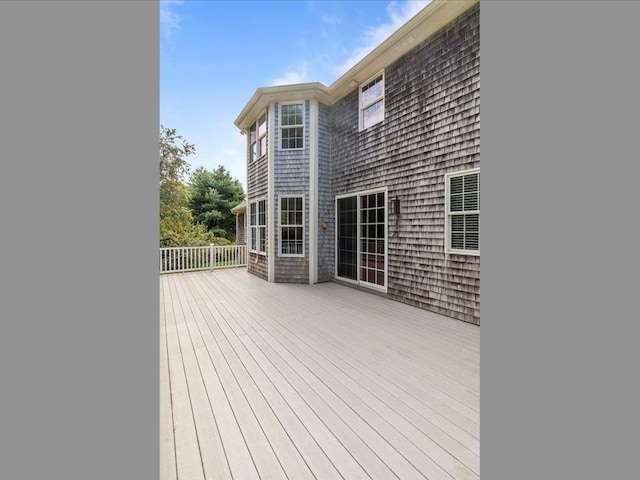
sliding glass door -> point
(361, 238)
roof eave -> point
(415, 31)
(280, 93)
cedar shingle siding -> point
(257, 186)
(431, 127)
(326, 205)
(291, 177)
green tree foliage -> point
(175, 215)
(212, 196)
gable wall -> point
(431, 127)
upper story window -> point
(372, 102)
(462, 190)
(258, 138)
(291, 126)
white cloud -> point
(399, 13)
(298, 75)
(169, 19)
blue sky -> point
(215, 54)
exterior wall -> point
(291, 177)
(326, 203)
(241, 229)
(257, 186)
(431, 127)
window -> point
(258, 138)
(258, 226)
(291, 226)
(462, 228)
(372, 102)
(291, 126)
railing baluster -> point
(183, 259)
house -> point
(374, 181)
(240, 211)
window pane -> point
(457, 241)
(252, 214)
(472, 223)
(456, 185)
(457, 223)
(373, 114)
(371, 200)
(471, 201)
(471, 241)
(456, 202)
(471, 183)
(372, 90)
(262, 239)
(262, 147)
(292, 138)
(471, 191)
(291, 115)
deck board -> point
(304, 443)
(263, 380)
(167, 441)
(187, 451)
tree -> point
(173, 163)
(175, 215)
(212, 196)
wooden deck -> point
(280, 381)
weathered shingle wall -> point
(241, 229)
(326, 204)
(257, 265)
(291, 177)
(257, 185)
(257, 178)
(431, 127)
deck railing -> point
(185, 259)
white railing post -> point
(212, 256)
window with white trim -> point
(258, 138)
(462, 229)
(292, 226)
(372, 102)
(291, 126)
(258, 226)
